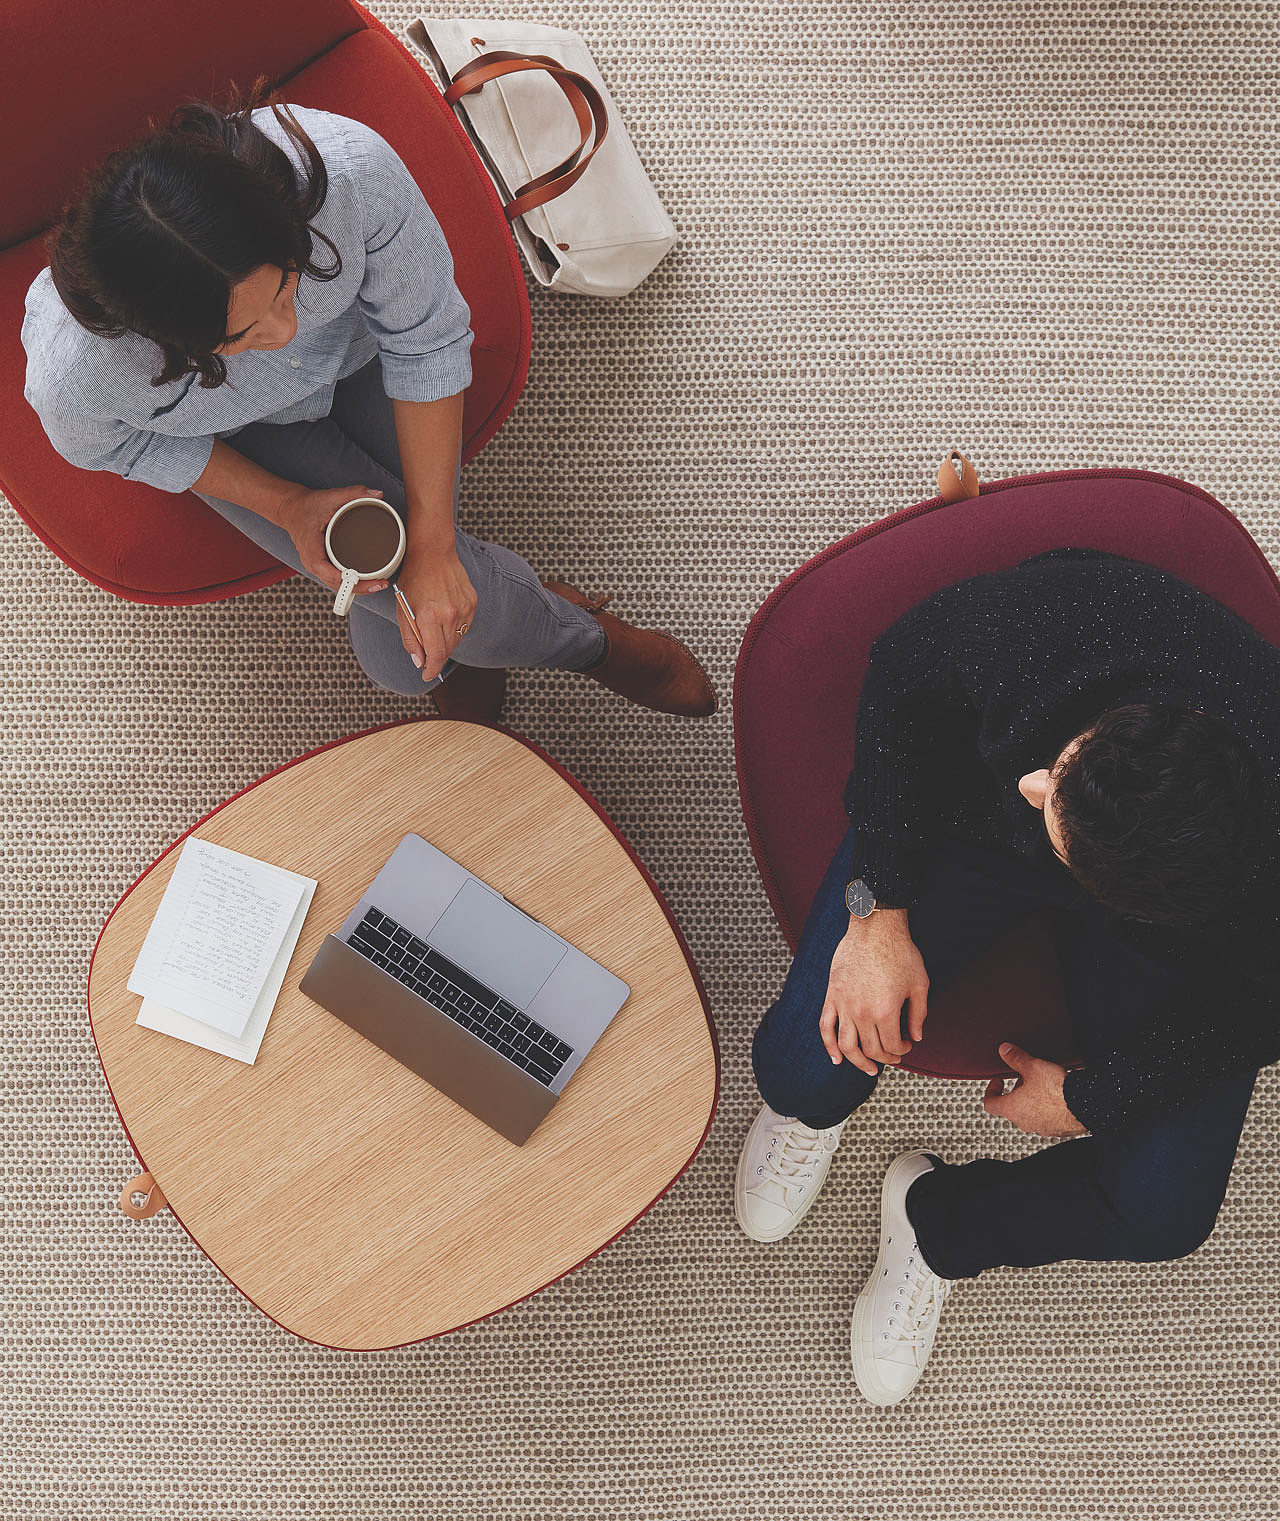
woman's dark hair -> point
(157, 236)
(1160, 813)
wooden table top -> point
(338, 1191)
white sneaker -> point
(780, 1172)
(897, 1312)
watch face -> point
(859, 899)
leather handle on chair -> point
(582, 95)
(154, 1202)
(957, 488)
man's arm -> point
(1224, 1019)
(1208, 1032)
(915, 723)
(914, 719)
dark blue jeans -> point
(1141, 1195)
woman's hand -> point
(304, 515)
(443, 600)
(875, 970)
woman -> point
(258, 305)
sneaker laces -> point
(917, 1304)
(793, 1154)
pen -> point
(413, 622)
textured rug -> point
(1046, 233)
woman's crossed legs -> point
(517, 621)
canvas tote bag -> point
(580, 204)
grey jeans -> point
(517, 621)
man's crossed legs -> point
(1142, 1195)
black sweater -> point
(989, 679)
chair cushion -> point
(801, 666)
(81, 78)
(121, 534)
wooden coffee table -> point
(340, 1193)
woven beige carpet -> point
(1044, 232)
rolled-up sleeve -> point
(102, 443)
(408, 296)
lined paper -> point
(216, 935)
(245, 1047)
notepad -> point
(157, 1016)
(214, 959)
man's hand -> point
(875, 970)
(443, 600)
(1035, 1103)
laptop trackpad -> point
(495, 942)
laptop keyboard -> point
(459, 995)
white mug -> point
(351, 574)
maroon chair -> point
(801, 667)
(81, 80)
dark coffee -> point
(365, 538)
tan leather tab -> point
(957, 488)
(154, 1202)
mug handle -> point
(346, 592)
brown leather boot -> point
(471, 693)
(648, 667)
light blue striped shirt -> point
(396, 298)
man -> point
(1081, 732)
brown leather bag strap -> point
(953, 487)
(582, 95)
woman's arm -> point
(303, 513)
(233, 477)
(429, 434)
(412, 304)
(430, 437)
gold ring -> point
(464, 628)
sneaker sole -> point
(860, 1336)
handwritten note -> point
(244, 1047)
(217, 934)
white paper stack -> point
(214, 959)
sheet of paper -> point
(155, 1016)
(216, 934)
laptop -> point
(474, 995)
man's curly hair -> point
(1159, 809)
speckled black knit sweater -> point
(987, 680)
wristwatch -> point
(859, 899)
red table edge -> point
(272, 574)
(850, 541)
(658, 897)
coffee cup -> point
(365, 540)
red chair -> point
(83, 79)
(801, 666)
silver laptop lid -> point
(428, 892)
